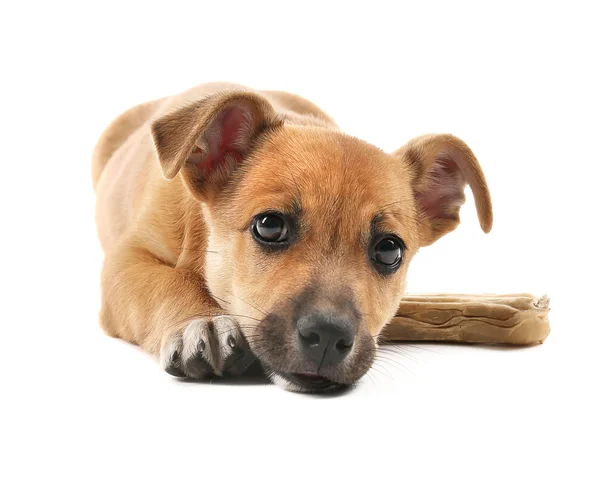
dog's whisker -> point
(419, 348)
(371, 377)
(387, 349)
(392, 363)
(382, 355)
(385, 360)
(221, 299)
(195, 249)
(397, 365)
(403, 352)
(410, 356)
(380, 370)
(232, 330)
(248, 303)
(216, 314)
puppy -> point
(243, 225)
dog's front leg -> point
(169, 312)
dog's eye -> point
(270, 228)
(388, 251)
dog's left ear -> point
(206, 140)
(441, 165)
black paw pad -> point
(198, 367)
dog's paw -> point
(205, 348)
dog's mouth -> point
(307, 382)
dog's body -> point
(241, 224)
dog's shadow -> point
(255, 375)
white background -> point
(86, 417)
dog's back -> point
(117, 133)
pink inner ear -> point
(444, 191)
(234, 122)
(227, 136)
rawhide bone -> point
(516, 319)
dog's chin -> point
(307, 382)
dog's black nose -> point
(325, 338)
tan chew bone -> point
(517, 319)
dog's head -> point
(311, 231)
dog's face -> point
(313, 236)
(311, 231)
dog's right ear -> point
(208, 139)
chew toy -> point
(515, 319)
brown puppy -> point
(240, 224)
